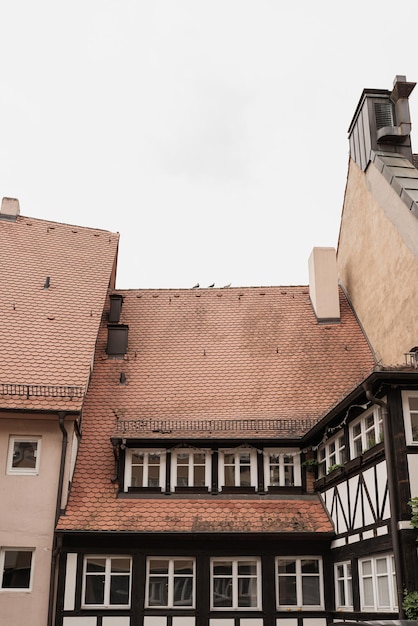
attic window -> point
(384, 114)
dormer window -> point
(281, 468)
(190, 468)
(144, 469)
(237, 468)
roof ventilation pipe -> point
(323, 284)
(116, 301)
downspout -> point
(394, 513)
(56, 547)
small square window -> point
(23, 455)
(170, 583)
(16, 568)
(410, 412)
(107, 581)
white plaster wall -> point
(413, 474)
(27, 515)
(377, 262)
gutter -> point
(57, 542)
(394, 512)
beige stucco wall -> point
(377, 262)
(27, 514)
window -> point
(378, 584)
(343, 586)
(170, 583)
(299, 583)
(235, 583)
(106, 581)
(410, 412)
(331, 453)
(366, 431)
(237, 468)
(190, 468)
(16, 568)
(23, 456)
(281, 468)
(145, 468)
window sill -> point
(238, 489)
(191, 490)
(144, 489)
(287, 489)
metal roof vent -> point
(10, 209)
(384, 114)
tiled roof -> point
(216, 354)
(48, 334)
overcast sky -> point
(211, 135)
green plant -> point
(413, 503)
(310, 463)
(410, 603)
(333, 467)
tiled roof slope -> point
(48, 335)
(251, 353)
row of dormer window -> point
(190, 467)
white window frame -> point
(171, 576)
(235, 577)
(282, 453)
(332, 452)
(107, 576)
(236, 452)
(2, 563)
(299, 576)
(374, 576)
(364, 431)
(407, 417)
(23, 471)
(191, 465)
(347, 582)
(146, 452)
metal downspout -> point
(394, 513)
(56, 547)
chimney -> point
(117, 340)
(323, 284)
(9, 209)
(116, 301)
(382, 123)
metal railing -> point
(44, 391)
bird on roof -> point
(226, 286)
(195, 286)
(212, 285)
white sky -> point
(211, 135)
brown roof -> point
(212, 355)
(48, 334)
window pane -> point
(367, 568)
(95, 585)
(159, 566)
(341, 593)
(95, 565)
(413, 404)
(182, 475)
(247, 568)
(247, 592)
(137, 476)
(222, 592)
(368, 592)
(24, 454)
(16, 573)
(310, 566)
(414, 425)
(381, 566)
(153, 476)
(119, 590)
(310, 590)
(222, 568)
(120, 565)
(199, 458)
(286, 567)
(199, 476)
(289, 478)
(158, 591)
(287, 590)
(183, 591)
(183, 567)
(383, 591)
(230, 476)
(274, 476)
